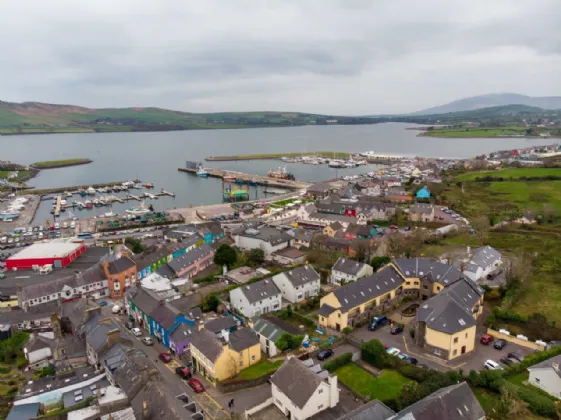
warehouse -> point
(58, 253)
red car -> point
(486, 339)
(196, 385)
(393, 227)
(165, 357)
(183, 372)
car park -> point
(196, 385)
(147, 340)
(500, 344)
(492, 365)
(509, 361)
(325, 354)
(396, 330)
(183, 372)
(517, 356)
(378, 322)
(165, 357)
(486, 339)
(136, 332)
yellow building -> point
(218, 359)
(446, 321)
(332, 229)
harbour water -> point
(155, 157)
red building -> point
(59, 254)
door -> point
(338, 327)
(463, 349)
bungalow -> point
(220, 359)
(547, 376)
(191, 263)
(289, 256)
(421, 212)
(346, 270)
(267, 238)
(298, 284)
(257, 298)
(483, 262)
(423, 194)
(269, 330)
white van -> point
(491, 365)
(116, 309)
(46, 269)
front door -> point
(463, 349)
(338, 327)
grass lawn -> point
(51, 163)
(514, 173)
(21, 174)
(519, 378)
(386, 386)
(260, 369)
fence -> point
(258, 407)
(233, 385)
(511, 339)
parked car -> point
(102, 303)
(492, 365)
(486, 339)
(509, 361)
(147, 340)
(396, 330)
(517, 356)
(183, 372)
(325, 354)
(136, 332)
(500, 344)
(393, 351)
(403, 356)
(378, 322)
(413, 361)
(129, 325)
(165, 357)
(196, 385)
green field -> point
(387, 386)
(21, 174)
(475, 132)
(260, 369)
(514, 173)
(56, 163)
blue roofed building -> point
(423, 194)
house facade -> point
(484, 261)
(547, 376)
(121, 274)
(298, 284)
(421, 212)
(269, 330)
(256, 299)
(346, 270)
(189, 264)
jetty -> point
(250, 179)
(58, 205)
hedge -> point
(508, 315)
(532, 359)
(338, 362)
(537, 403)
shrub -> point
(537, 403)
(373, 352)
(5, 369)
(378, 262)
(347, 330)
(339, 361)
(508, 315)
(210, 303)
(288, 341)
(21, 362)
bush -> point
(347, 330)
(288, 341)
(374, 352)
(5, 369)
(537, 403)
(208, 279)
(210, 303)
(48, 371)
(532, 359)
(508, 315)
(378, 262)
(338, 362)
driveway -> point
(338, 351)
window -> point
(438, 288)
(320, 391)
(437, 352)
(241, 363)
(253, 358)
(455, 340)
(339, 315)
(425, 286)
(537, 380)
(320, 407)
(466, 335)
(455, 352)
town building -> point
(484, 261)
(191, 263)
(298, 284)
(121, 274)
(421, 212)
(258, 298)
(57, 253)
(346, 270)
(332, 229)
(149, 262)
(269, 330)
(266, 238)
(547, 376)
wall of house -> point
(546, 379)
(197, 265)
(240, 302)
(337, 276)
(41, 355)
(319, 401)
(264, 342)
(119, 283)
(298, 293)
(447, 344)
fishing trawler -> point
(138, 211)
(281, 173)
(201, 172)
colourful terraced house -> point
(149, 263)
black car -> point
(396, 330)
(508, 361)
(412, 360)
(517, 356)
(129, 325)
(499, 344)
(324, 354)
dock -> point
(58, 205)
(251, 179)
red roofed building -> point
(59, 254)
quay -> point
(58, 205)
(250, 179)
(267, 156)
(74, 188)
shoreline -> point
(62, 164)
(271, 156)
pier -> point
(250, 179)
(58, 205)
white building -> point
(349, 270)
(257, 298)
(300, 393)
(39, 351)
(483, 262)
(266, 238)
(298, 284)
(547, 376)
(269, 332)
(305, 211)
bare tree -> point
(481, 225)
(519, 268)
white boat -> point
(109, 214)
(9, 215)
(138, 211)
(91, 191)
(63, 202)
(201, 172)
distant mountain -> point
(494, 100)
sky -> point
(346, 57)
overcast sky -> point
(325, 56)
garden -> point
(387, 386)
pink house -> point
(191, 263)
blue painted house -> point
(423, 194)
(149, 263)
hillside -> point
(494, 100)
(39, 118)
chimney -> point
(333, 391)
(113, 337)
(225, 336)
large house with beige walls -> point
(218, 359)
(446, 320)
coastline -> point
(59, 164)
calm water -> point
(155, 157)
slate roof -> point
(144, 300)
(336, 226)
(182, 332)
(267, 234)
(549, 364)
(298, 391)
(290, 252)
(115, 356)
(189, 258)
(165, 270)
(445, 274)
(187, 302)
(320, 187)
(421, 208)
(348, 266)
(208, 344)
(301, 275)
(222, 323)
(483, 257)
(96, 332)
(267, 329)
(449, 403)
(164, 316)
(39, 342)
(243, 338)
(328, 241)
(259, 290)
(326, 310)
(374, 410)
(159, 403)
(368, 288)
(129, 375)
(149, 257)
(120, 265)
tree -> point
(210, 303)
(360, 254)
(288, 341)
(225, 255)
(135, 245)
(378, 262)
(374, 352)
(481, 226)
(256, 256)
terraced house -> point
(446, 320)
(147, 263)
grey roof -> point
(182, 332)
(301, 275)
(348, 266)
(336, 226)
(155, 401)
(39, 385)
(73, 346)
(120, 265)
(24, 411)
(149, 257)
(75, 310)
(222, 323)
(445, 274)
(260, 290)
(267, 329)
(69, 398)
(39, 342)
(450, 403)
(165, 270)
(374, 410)
(321, 187)
(421, 208)
(115, 356)
(298, 391)
(330, 242)
(189, 258)
(208, 344)
(368, 288)
(326, 310)
(164, 315)
(483, 257)
(143, 300)
(187, 302)
(267, 234)
(129, 375)
(549, 364)
(289, 328)
(243, 338)
(96, 336)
